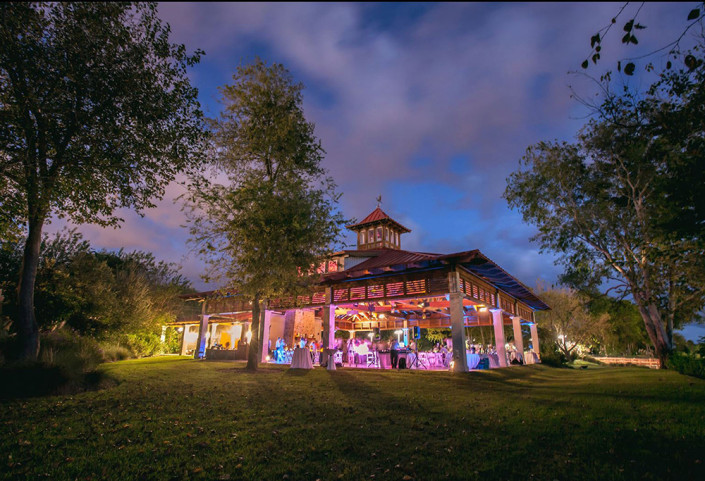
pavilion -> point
(376, 286)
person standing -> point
(394, 353)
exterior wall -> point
(276, 327)
(299, 322)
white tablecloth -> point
(434, 360)
(473, 360)
(301, 359)
(530, 357)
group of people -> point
(355, 351)
(303, 342)
(513, 354)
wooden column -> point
(457, 322)
(499, 339)
(328, 320)
(266, 323)
(518, 338)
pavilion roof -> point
(375, 216)
(384, 262)
(398, 261)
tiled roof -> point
(376, 216)
(393, 260)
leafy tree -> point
(277, 217)
(606, 202)
(632, 27)
(570, 321)
(624, 333)
(97, 114)
(110, 296)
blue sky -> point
(431, 105)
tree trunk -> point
(656, 332)
(253, 355)
(27, 329)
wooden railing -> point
(650, 362)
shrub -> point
(74, 355)
(67, 364)
(172, 341)
(553, 358)
(688, 364)
(115, 352)
(143, 344)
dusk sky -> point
(430, 105)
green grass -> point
(173, 418)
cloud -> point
(430, 105)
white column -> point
(499, 339)
(163, 337)
(200, 351)
(457, 323)
(328, 321)
(518, 338)
(211, 339)
(535, 338)
(232, 336)
(328, 326)
(406, 333)
(183, 339)
(265, 334)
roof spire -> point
(379, 200)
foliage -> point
(67, 364)
(570, 321)
(688, 364)
(97, 114)
(631, 27)
(172, 341)
(681, 344)
(623, 333)
(437, 335)
(114, 297)
(623, 205)
(115, 352)
(551, 354)
(277, 217)
(73, 354)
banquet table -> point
(494, 360)
(301, 359)
(385, 358)
(473, 360)
(530, 357)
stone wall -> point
(300, 323)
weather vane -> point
(379, 200)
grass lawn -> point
(176, 418)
